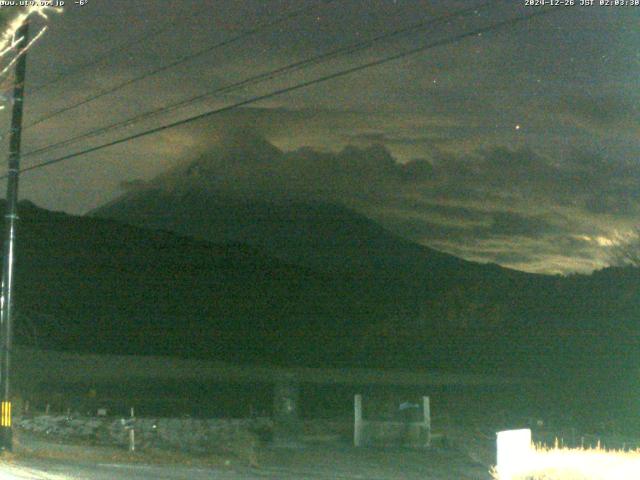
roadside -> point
(321, 461)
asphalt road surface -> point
(315, 464)
(63, 470)
(43, 459)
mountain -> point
(229, 195)
(422, 304)
(88, 284)
(93, 285)
(209, 260)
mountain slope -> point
(415, 296)
(90, 284)
(243, 190)
(87, 284)
(421, 304)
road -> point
(63, 470)
(44, 459)
(313, 464)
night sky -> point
(518, 146)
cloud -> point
(604, 114)
(497, 204)
(425, 145)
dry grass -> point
(48, 449)
(577, 464)
(106, 455)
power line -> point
(325, 78)
(265, 76)
(101, 58)
(282, 91)
(258, 28)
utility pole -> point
(11, 217)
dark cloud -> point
(491, 205)
(514, 224)
(602, 111)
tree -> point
(627, 252)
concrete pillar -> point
(426, 411)
(357, 421)
(286, 419)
